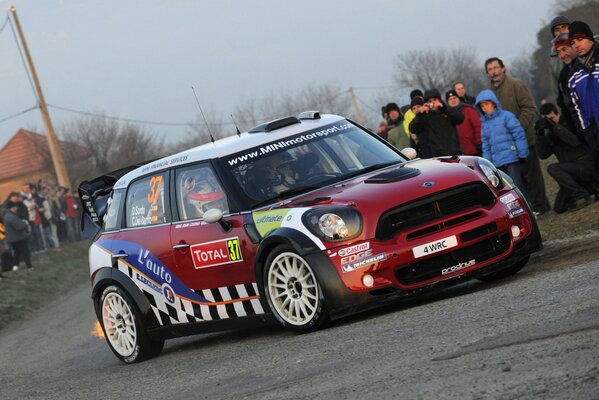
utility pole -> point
(354, 102)
(55, 152)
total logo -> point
(458, 267)
(218, 252)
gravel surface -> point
(535, 335)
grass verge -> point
(54, 274)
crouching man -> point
(574, 171)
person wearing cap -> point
(469, 130)
(395, 133)
(516, 98)
(439, 122)
(557, 26)
(409, 114)
(460, 89)
(583, 83)
(419, 142)
(567, 55)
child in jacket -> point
(503, 138)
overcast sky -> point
(139, 59)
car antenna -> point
(203, 116)
(236, 127)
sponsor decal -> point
(268, 221)
(354, 249)
(513, 205)
(365, 258)
(168, 293)
(303, 138)
(158, 269)
(458, 267)
(508, 198)
(218, 252)
(147, 282)
(428, 184)
(190, 224)
(516, 212)
(165, 162)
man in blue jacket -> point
(17, 234)
(584, 82)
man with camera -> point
(438, 122)
(574, 171)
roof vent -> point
(310, 115)
(274, 125)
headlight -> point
(492, 174)
(333, 224)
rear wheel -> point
(504, 273)
(124, 329)
(293, 292)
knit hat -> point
(450, 93)
(392, 107)
(561, 20)
(417, 101)
(561, 40)
(431, 93)
(416, 93)
(580, 30)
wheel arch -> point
(301, 243)
(111, 276)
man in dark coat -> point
(516, 98)
(574, 170)
(439, 123)
(17, 234)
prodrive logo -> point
(458, 267)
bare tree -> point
(100, 145)
(439, 69)
(327, 98)
(521, 68)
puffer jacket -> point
(503, 138)
(16, 229)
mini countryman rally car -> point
(301, 219)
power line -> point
(19, 113)
(5, 22)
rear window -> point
(146, 202)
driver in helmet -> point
(277, 173)
(203, 193)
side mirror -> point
(409, 152)
(216, 215)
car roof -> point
(226, 146)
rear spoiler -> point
(94, 197)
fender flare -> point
(108, 276)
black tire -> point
(124, 328)
(292, 291)
(504, 273)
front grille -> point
(431, 268)
(436, 207)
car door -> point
(215, 260)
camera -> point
(543, 126)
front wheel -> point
(504, 273)
(293, 292)
(124, 329)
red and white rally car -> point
(305, 219)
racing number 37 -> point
(155, 183)
(233, 247)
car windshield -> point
(308, 160)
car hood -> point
(389, 187)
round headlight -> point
(333, 223)
(491, 174)
(332, 226)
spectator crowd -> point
(38, 218)
(503, 124)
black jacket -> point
(557, 139)
(441, 129)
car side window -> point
(198, 190)
(111, 219)
(146, 202)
